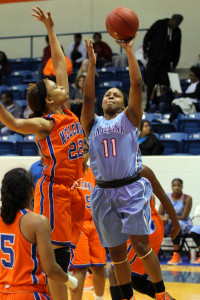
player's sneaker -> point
(175, 260)
(197, 261)
(88, 283)
(162, 296)
(132, 298)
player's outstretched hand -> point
(90, 50)
(40, 16)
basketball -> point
(122, 23)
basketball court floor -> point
(182, 282)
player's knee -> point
(62, 257)
(141, 247)
(100, 271)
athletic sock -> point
(115, 293)
(159, 287)
(127, 290)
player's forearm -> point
(89, 87)
(55, 272)
(57, 54)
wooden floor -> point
(182, 282)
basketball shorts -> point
(24, 293)
(78, 214)
(63, 207)
(24, 296)
(120, 212)
(89, 251)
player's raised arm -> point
(57, 54)
(134, 109)
(88, 109)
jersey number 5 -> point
(114, 149)
(6, 242)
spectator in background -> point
(195, 233)
(12, 107)
(187, 102)
(77, 51)
(161, 45)
(45, 57)
(102, 51)
(49, 71)
(163, 102)
(76, 101)
(84, 68)
(5, 66)
(182, 204)
(148, 142)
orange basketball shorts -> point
(89, 251)
(155, 240)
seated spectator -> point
(45, 57)
(12, 107)
(76, 101)
(84, 68)
(148, 142)
(195, 233)
(77, 51)
(163, 102)
(5, 66)
(187, 102)
(182, 204)
(49, 71)
(102, 51)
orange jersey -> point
(62, 149)
(20, 268)
(87, 184)
(155, 240)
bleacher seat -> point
(123, 76)
(3, 88)
(19, 91)
(189, 123)
(26, 148)
(105, 74)
(13, 79)
(111, 84)
(173, 142)
(21, 103)
(192, 143)
(8, 144)
(161, 128)
(150, 117)
(29, 137)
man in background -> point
(161, 46)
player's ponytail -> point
(36, 96)
(15, 191)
